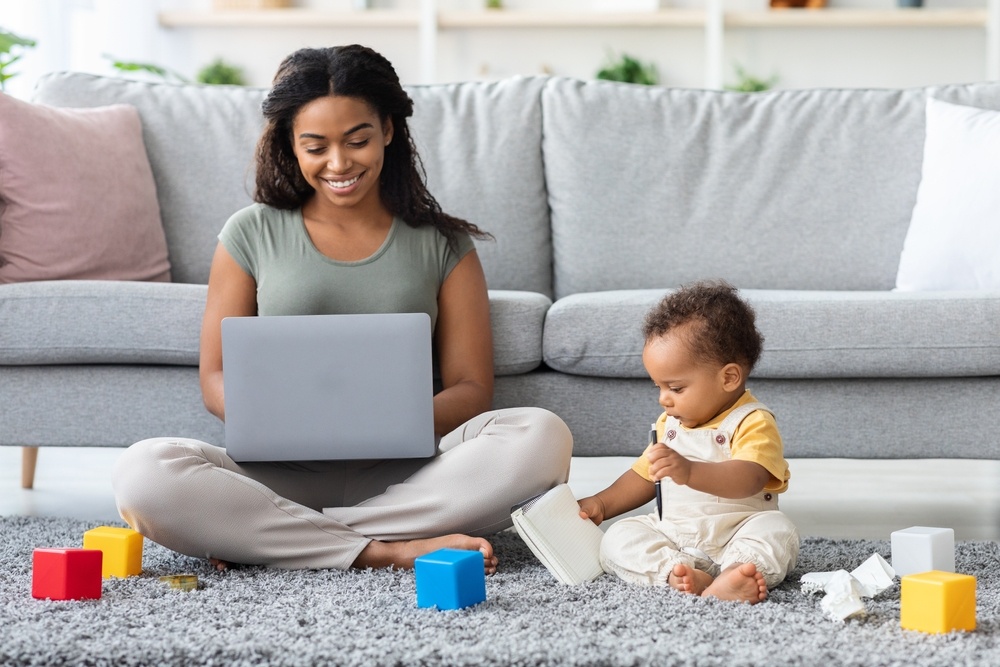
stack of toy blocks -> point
(66, 574)
(933, 598)
(122, 548)
(450, 579)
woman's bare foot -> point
(741, 582)
(402, 554)
(219, 565)
(688, 580)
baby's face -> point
(692, 392)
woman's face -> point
(340, 146)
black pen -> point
(659, 490)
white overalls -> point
(644, 549)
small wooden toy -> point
(922, 549)
(450, 579)
(181, 582)
(122, 548)
(66, 574)
(938, 602)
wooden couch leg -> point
(29, 457)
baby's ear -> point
(733, 377)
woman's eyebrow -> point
(357, 127)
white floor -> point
(827, 497)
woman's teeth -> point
(344, 184)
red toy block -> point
(66, 574)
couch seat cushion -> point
(807, 334)
(100, 322)
(111, 322)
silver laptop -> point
(327, 387)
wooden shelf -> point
(290, 18)
(665, 18)
(858, 18)
(676, 18)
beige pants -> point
(191, 497)
(644, 550)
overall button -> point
(767, 496)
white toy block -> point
(922, 549)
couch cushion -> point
(954, 233)
(807, 334)
(480, 144)
(100, 322)
(110, 322)
(200, 141)
(77, 197)
(517, 319)
(675, 185)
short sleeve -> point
(455, 252)
(757, 440)
(240, 237)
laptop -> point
(328, 387)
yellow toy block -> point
(938, 602)
(122, 548)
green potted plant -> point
(127, 67)
(745, 83)
(627, 69)
(219, 72)
(9, 44)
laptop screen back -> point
(327, 387)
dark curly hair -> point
(350, 71)
(723, 328)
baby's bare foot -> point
(403, 554)
(741, 582)
(688, 580)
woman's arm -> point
(464, 343)
(231, 293)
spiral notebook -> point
(568, 545)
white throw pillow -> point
(953, 242)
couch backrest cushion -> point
(480, 144)
(200, 142)
(653, 187)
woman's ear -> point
(387, 130)
(732, 377)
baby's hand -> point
(592, 508)
(665, 462)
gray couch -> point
(601, 196)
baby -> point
(718, 456)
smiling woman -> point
(343, 223)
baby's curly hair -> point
(723, 327)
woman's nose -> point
(338, 162)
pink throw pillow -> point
(77, 196)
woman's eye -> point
(358, 144)
(314, 151)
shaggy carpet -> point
(254, 616)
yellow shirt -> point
(756, 439)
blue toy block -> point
(450, 579)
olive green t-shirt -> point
(294, 278)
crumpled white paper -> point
(845, 590)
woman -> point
(344, 224)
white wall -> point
(73, 34)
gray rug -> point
(255, 616)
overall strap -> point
(736, 417)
